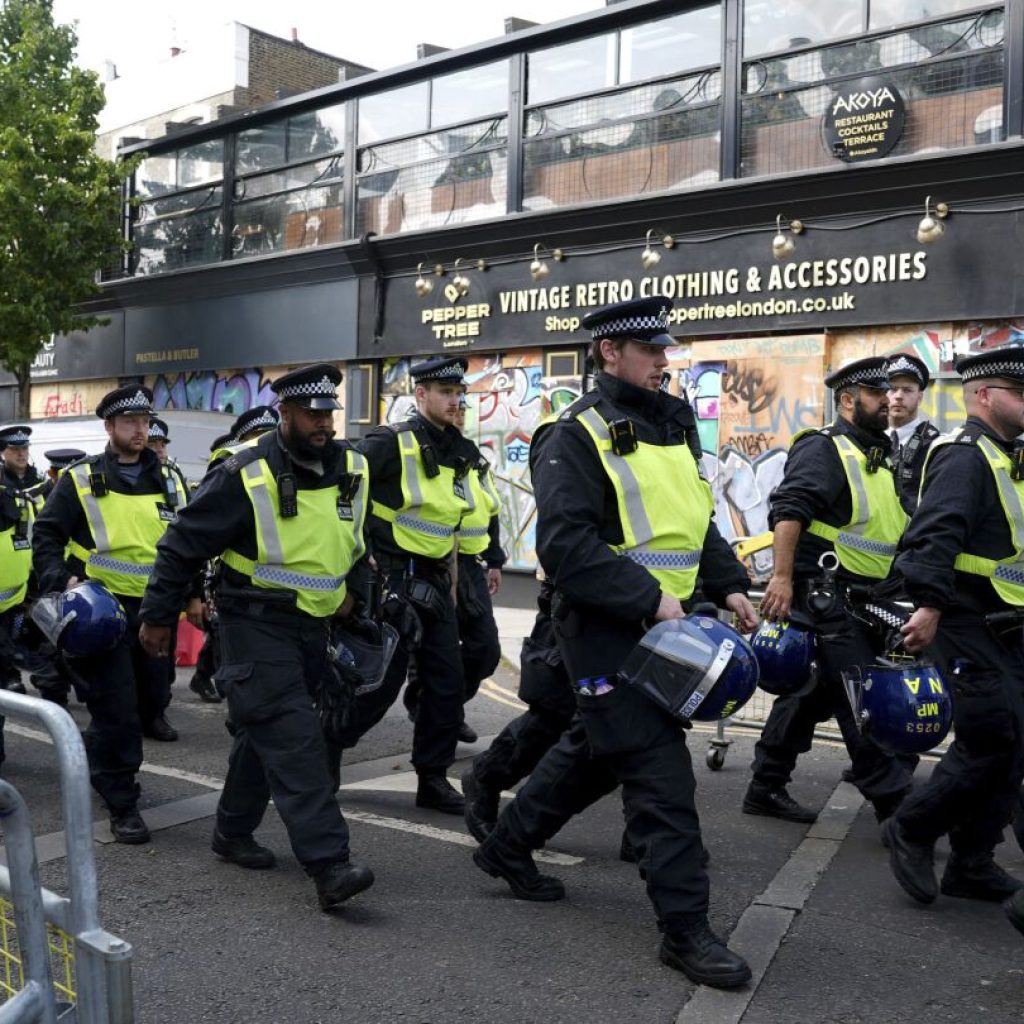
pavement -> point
(831, 937)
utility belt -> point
(424, 582)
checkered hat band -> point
(1003, 368)
(133, 403)
(322, 388)
(902, 365)
(872, 378)
(631, 325)
(156, 432)
(18, 438)
(265, 419)
(452, 372)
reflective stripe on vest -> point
(1006, 574)
(664, 506)
(432, 507)
(289, 550)
(474, 531)
(125, 529)
(867, 544)
(16, 562)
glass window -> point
(576, 68)
(665, 47)
(360, 392)
(886, 13)
(201, 163)
(770, 25)
(178, 232)
(259, 148)
(316, 133)
(393, 113)
(469, 94)
(157, 175)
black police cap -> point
(60, 458)
(643, 319)
(448, 369)
(132, 400)
(158, 430)
(865, 373)
(1006, 361)
(258, 419)
(312, 387)
(905, 364)
(15, 436)
(221, 442)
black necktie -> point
(894, 440)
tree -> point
(60, 203)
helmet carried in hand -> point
(84, 621)
(785, 652)
(695, 668)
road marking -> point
(491, 690)
(764, 925)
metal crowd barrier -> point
(93, 984)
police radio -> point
(429, 457)
(875, 459)
(623, 435)
(348, 486)
(287, 496)
(1017, 463)
(172, 491)
(20, 539)
(98, 484)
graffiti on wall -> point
(230, 391)
(508, 397)
(70, 398)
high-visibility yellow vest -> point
(664, 506)
(432, 507)
(474, 530)
(125, 530)
(1005, 574)
(312, 553)
(866, 545)
(225, 451)
(16, 555)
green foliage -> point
(60, 203)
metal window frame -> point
(577, 356)
(370, 372)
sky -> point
(380, 34)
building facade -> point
(806, 187)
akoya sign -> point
(864, 120)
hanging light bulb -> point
(782, 245)
(460, 281)
(931, 229)
(538, 268)
(424, 286)
(649, 259)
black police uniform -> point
(438, 658)
(814, 486)
(908, 457)
(273, 654)
(971, 792)
(17, 437)
(10, 518)
(601, 603)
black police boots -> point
(203, 687)
(438, 794)
(128, 827)
(518, 869)
(481, 806)
(467, 734)
(339, 882)
(978, 878)
(1014, 908)
(703, 957)
(160, 729)
(913, 864)
(775, 802)
(243, 851)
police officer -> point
(962, 561)
(286, 517)
(419, 472)
(16, 471)
(624, 525)
(59, 460)
(17, 515)
(159, 439)
(837, 495)
(910, 433)
(113, 508)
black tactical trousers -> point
(9, 672)
(271, 660)
(789, 731)
(618, 739)
(481, 649)
(972, 791)
(153, 676)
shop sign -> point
(864, 120)
(870, 275)
(82, 355)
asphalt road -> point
(435, 941)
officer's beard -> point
(304, 448)
(874, 423)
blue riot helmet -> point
(785, 652)
(363, 649)
(902, 704)
(83, 621)
(695, 668)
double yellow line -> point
(501, 694)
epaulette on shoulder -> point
(399, 428)
(581, 404)
(966, 438)
(236, 462)
(931, 432)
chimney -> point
(517, 25)
(429, 50)
(109, 71)
(175, 50)
(295, 35)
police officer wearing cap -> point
(112, 509)
(16, 471)
(59, 460)
(286, 517)
(421, 494)
(159, 439)
(17, 515)
(624, 526)
(248, 426)
(910, 432)
(837, 499)
(962, 561)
